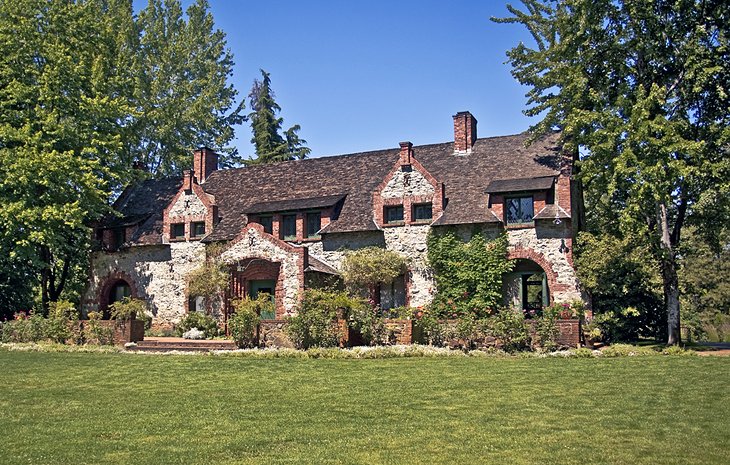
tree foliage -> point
(85, 91)
(643, 90)
(182, 95)
(271, 146)
(370, 267)
(468, 274)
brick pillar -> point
(205, 161)
(406, 152)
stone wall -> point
(254, 243)
(542, 244)
(158, 274)
(407, 183)
(188, 204)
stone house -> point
(287, 226)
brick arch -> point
(529, 254)
(110, 281)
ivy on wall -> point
(468, 274)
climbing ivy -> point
(468, 274)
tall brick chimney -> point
(465, 132)
(406, 152)
(188, 180)
(205, 161)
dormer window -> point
(267, 221)
(314, 224)
(422, 212)
(177, 231)
(519, 211)
(393, 214)
(197, 229)
(289, 227)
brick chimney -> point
(188, 180)
(465, 132)
(406, 152)
(205, 161)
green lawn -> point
(120, 408)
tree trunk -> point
(670, 279)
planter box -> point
(124, 331)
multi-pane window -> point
(198, 229)
(289, 227)
(314, 224)
(393, 214)
(519, 210)
(422, 212)
(268, 223)
(120, 237)
(177, 231)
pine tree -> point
(270, 145)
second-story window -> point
(314, 224)
(177, 231)
(289, 227)
(119, 237)
(422, 212)
(518, 210)
(197, 229)
(393, 214)
(267, 222)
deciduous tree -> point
(642, 88)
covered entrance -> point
(526, 288)
(252, 277)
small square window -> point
(393, 214)
(268, 223)
(198, 229)
(289, 227)
(314, 224)
(422, 212)
(177, 231)
(519, 210)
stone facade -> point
(158, 271)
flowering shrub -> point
(194, 333)
(243, 325)
(204, 323)
(315, 324)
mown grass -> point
(119, 408)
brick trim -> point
(113, 278)
(209, 218)
(552, 276)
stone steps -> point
(182, 345)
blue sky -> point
(365, 75)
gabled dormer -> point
(408, 194)
(191, 214)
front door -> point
(257, 287)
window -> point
(393, 214)
(289, 227)
(268, 223)
(519, 210)
(198, 229)
(314, 224)
(120, 237)
(422, 212)
(177, 231)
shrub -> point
(430, 329)
(97, 333)
(208, 281)
(205, 323)
(62, 323)
(626, 350)
(25, 327)
(315, 325)
(129, 309)
(510, 328)
(546, 327)
(244, 323)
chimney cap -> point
(406, 144)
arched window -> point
(526, 288)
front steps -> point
(168, 344)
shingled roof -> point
(355, 177)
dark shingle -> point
(520, 185)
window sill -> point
(421, 222)
(177, 239)
(520, 226)
(394, 224)
(312, 239)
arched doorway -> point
(526, 287)
(114, 291)
(252, 277)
